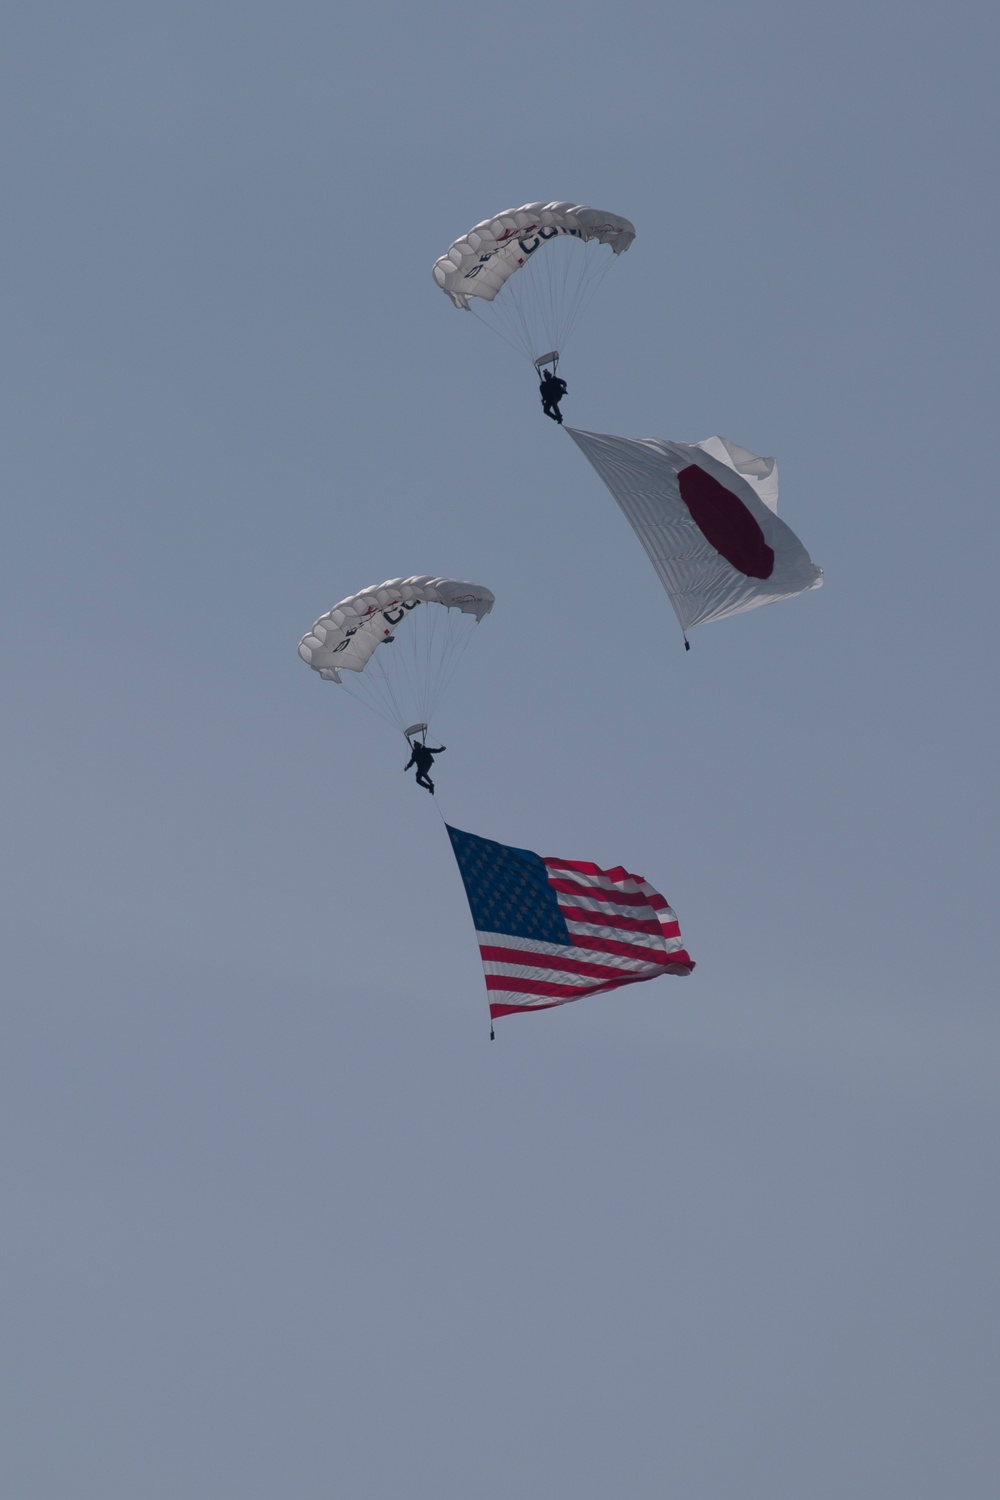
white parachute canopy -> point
(707, 515)
(532, 300)
(396, 644)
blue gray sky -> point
(279, 1219)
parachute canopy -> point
(397, 660)
(535, 308)
(707, 515)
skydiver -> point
(422, 756)
(552, 390)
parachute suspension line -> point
(443, 658)
(386, 684)
(442, 643)
(544, 298)
(423, 643)
(448, 663)
(407, 663)
(558, 280)
(365, 695)
(586, 287)
(580, 275)
(442, 624)
(443, 661)
(530, 294)
(519, 310)
(418, 643)
(517, 348)
(386, 676)
(377, 690)
(560, 269)
(383, 689)
(408, 675)
(423, 649)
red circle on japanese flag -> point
(726, 523)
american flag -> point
(553, 930)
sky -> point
(278, 1217)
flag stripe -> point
(587, 931)
(608, 919)
(626, 950)
(584, 867)
(497, 958)
(597, 893)
(586, 943)
(549, 991)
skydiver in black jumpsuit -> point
(552, 390)
(422, 756)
